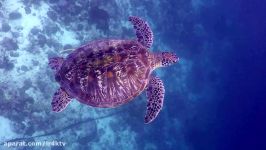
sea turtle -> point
(109, 73)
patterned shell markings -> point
(106, 73)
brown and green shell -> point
(106, 73)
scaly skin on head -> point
(164, 59)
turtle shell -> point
(106, 73)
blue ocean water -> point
(214, 97)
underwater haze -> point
(214, 96)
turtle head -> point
(169, 58)
(164, 59)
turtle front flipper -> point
(155, 96)
(143, 31)
(60, 100)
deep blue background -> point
(237, 120)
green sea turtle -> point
(109, 73)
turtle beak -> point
(175, 58)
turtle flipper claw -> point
(155, 96)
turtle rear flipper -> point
(155, 96)
(56, 62)
(60, 100)
(143, 31)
